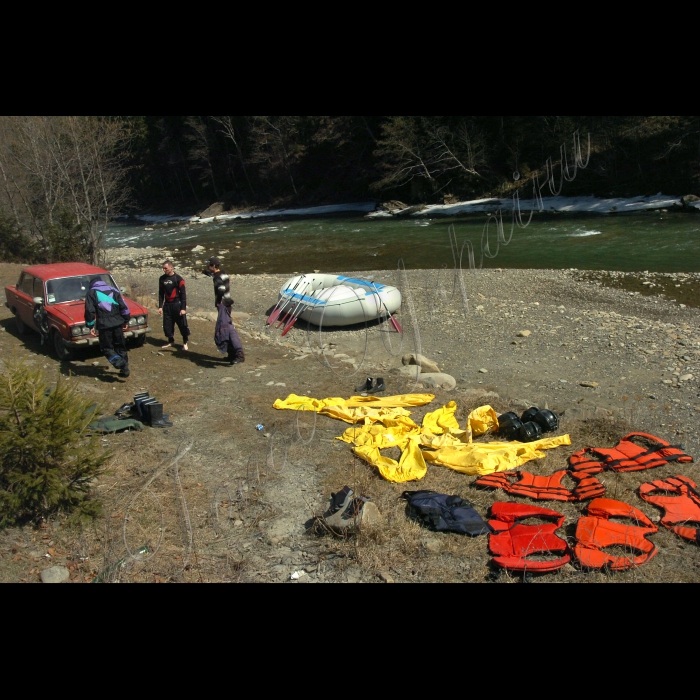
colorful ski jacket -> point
(105, 307)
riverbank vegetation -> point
(63, 178)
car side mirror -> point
(122, 290)
(38, 301)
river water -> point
(654, 241)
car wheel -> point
(22, 327)
(62, 352)
(138, 341)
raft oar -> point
(293, 306)
(394, 322)
(290, 305)
(301, 307)
(281, 304)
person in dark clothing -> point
(172, 305)
(107, 315)
(41, 321)
(225, 335)
(222, 288)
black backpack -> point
(444, 513)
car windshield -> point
(72, 288)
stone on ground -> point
(423, 362)
(438, 380)
(56, 574)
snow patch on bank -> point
(360, 207)
(572, 205)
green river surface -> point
(653, 241)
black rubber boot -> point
(155, 417)
(379, 387)
(367, 386)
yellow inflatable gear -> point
(490, 457)
(442, 421)
(482, 420)
(388, 433)
(411, 466)
(379, 424)
(357, 409)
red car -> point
(60, 289)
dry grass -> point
(407, 551)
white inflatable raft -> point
(336, 300)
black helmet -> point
(530, 415)
(508, 416)
(530, 432)
(547, 420)
(509, 426)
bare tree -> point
(229, 131)
(52, 166)
(199, 151)
(277, 147)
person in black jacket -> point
(107, 315)
(172, 305)
(222, 288)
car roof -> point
(58, 270)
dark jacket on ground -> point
(171, 289)
(105, 307)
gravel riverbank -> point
(590, 348)
(608, 353)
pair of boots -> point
(369, 387)
(147, 410)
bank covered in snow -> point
(571, 205)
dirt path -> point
(237, 507)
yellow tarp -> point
(487, 458)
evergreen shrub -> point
(48, 458)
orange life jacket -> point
(512, 542)
(680, 509)
(627, 456)
(596, 531)
(544, 488)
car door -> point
(25, 303)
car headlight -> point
(132, 322)
(76, 330)
(142, 320)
